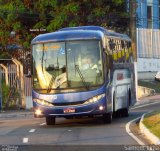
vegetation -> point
(5, 93)
(21, 16)
(152, 122)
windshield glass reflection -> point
(61, 65)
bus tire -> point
(125, 111)
(50, 120)
(115, 113)
(107, 118)
(129, 95)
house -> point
(148, 38)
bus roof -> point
(78, 33)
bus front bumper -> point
(67, 111)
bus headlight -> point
(43, 102)
(95, 99)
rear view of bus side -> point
(82, 71)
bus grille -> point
(68, 103)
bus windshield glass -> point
(64, 65)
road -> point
(70, 132)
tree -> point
(22, 15)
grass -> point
(152, 122)
(150, 84)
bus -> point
(83, 71)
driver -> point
(88, 62)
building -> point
(148, 38)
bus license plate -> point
(69, 110)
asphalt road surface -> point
(87, 131)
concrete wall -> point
(143, 92)
(147, 68)
(146, 75)
(148, 65)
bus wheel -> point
(125, 112)
(107, 118)
(50, 120)
(116, 114)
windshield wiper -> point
(42, 60)
(51, 83)
(81, 76)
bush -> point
(4, 55)
(12, 104)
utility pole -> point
(133, 34)
(133, 31)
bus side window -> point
(122, 44)
(128, 45)
(112, 44)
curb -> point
(15, 115)
(154, 139)
(132, 134)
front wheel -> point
(50, 120)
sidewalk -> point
(148, 99)
(16, 114)
(153, 97)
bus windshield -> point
(64, 65)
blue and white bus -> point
(82, 71)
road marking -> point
(32, 131)
(144, 105)
(131, 134)
(43, 124)
(25, 140)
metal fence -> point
(12, 73)
(28, 92)
(148, 43)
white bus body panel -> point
(121, 87)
